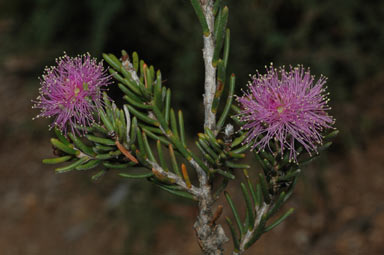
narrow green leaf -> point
(174, 124)
(279, 220)
(208, 149)
(107, 123)
(235, 239)
(147, 148)
(72, 166)
(135, 61)
(205, 154)
(104, 141)
(220, 85)
(61, 137)
(109, 155)
(181, 126)
(137, 104)
(226, 47)
(56, 160)
(89, 165)
(161, 156)
(175, 165)
(142, 116)
(158, 99)
(132, 91)
(248, 203)
(331, 135)
(160, 118)
(178, 192)
(279, 202)
(228, 103)
(226, 174)
(216, 7)
(235, 165)
(80, 145)
(133, 130)
(155, 137)
(136, 176)
(219, 35)
(119, 165)
(65, 148)
(264, 188)
(113, 62)
(200, 15)
(167, 105)
(235, 213)
(100, 147)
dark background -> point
(339, 200)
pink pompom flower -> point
(71, 92)
(288, 107)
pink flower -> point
(288, 107)
(71, 92)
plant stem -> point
(210, 70)
(211, 236)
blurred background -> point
(339, 199)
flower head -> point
(71, 91)
(288, 107)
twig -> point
(260, 212)
(210, 70)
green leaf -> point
(112, 61)
(219, 35)
(235, 239)
(136, 176)
(174, 124)
(147, 148)
(200, 15)
(161, 156)
(279, 202)
(118, 165)
(56, 160)
(220, 85)
(155, 137)
(279, 220)
(228, 103)
(177, 192)
(235, 213)
(264, 188)
(109, 155)
(72, 166)
(158, 99)
(167, 105)
(137, 104)
(226, 47)
(226, 174)
(235, 165)
(248, 203)
(106, 121)
(135, 61)
(181, 126)
(175, 165)
(100, 140)
(331, 135)
(89, 165)
(80, 145)
(61, 137)
(142, 116)
(65, 148)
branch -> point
(210, 71)
(177, 179)
(260, 212)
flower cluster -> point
(287, 107)
(72, 92)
